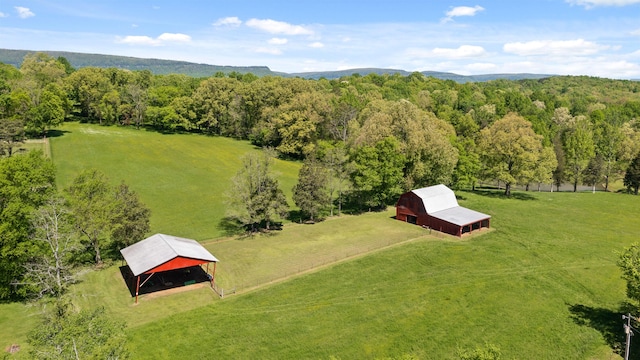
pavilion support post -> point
(137, 288)
(213, 276)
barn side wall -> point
(409, 204)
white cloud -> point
(270, 51)
(137, 40)
(635, 32)
(278, 41)
(3, 15)
(24, 12)
(464, 51)
(177, 37)
(462, 11)
(229, 21)
(278, 27)
(160, 40)
(593, 3)
(481, 67)
(554, 47)
(316, 45)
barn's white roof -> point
(436, 198)
(440, 202)
(160, 248)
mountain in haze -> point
(163, 67)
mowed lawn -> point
(542, 285)
(181, 177)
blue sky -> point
(567, 37)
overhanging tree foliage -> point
(86, 334)
(629, 264)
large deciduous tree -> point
(546, 165)
(130, 222)
(310, 193)
(377, 172)
(92, 206)
(336, 159)
(608, 140)
(26, 181)
(510, 150)
(11, 134)
(255, 197)
(577, 142)
(48, 272)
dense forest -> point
(444, 131)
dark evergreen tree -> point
(632, 176)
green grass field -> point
(542, 284)
(181, 177)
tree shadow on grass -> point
(608, 322)
(56, 133)
(231, 227)
(499, 194)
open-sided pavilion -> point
(161, 253)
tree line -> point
(373, 136)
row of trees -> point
(591, 124)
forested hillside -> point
(164, 67)
(156, 66)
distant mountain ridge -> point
(163, 67)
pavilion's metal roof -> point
(160, 248)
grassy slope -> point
(182, 178)
(529, 287)
(549, 264)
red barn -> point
(436, 207)
(160, 253)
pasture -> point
(541, 284)
(181, 177)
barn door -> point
(412, 219)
